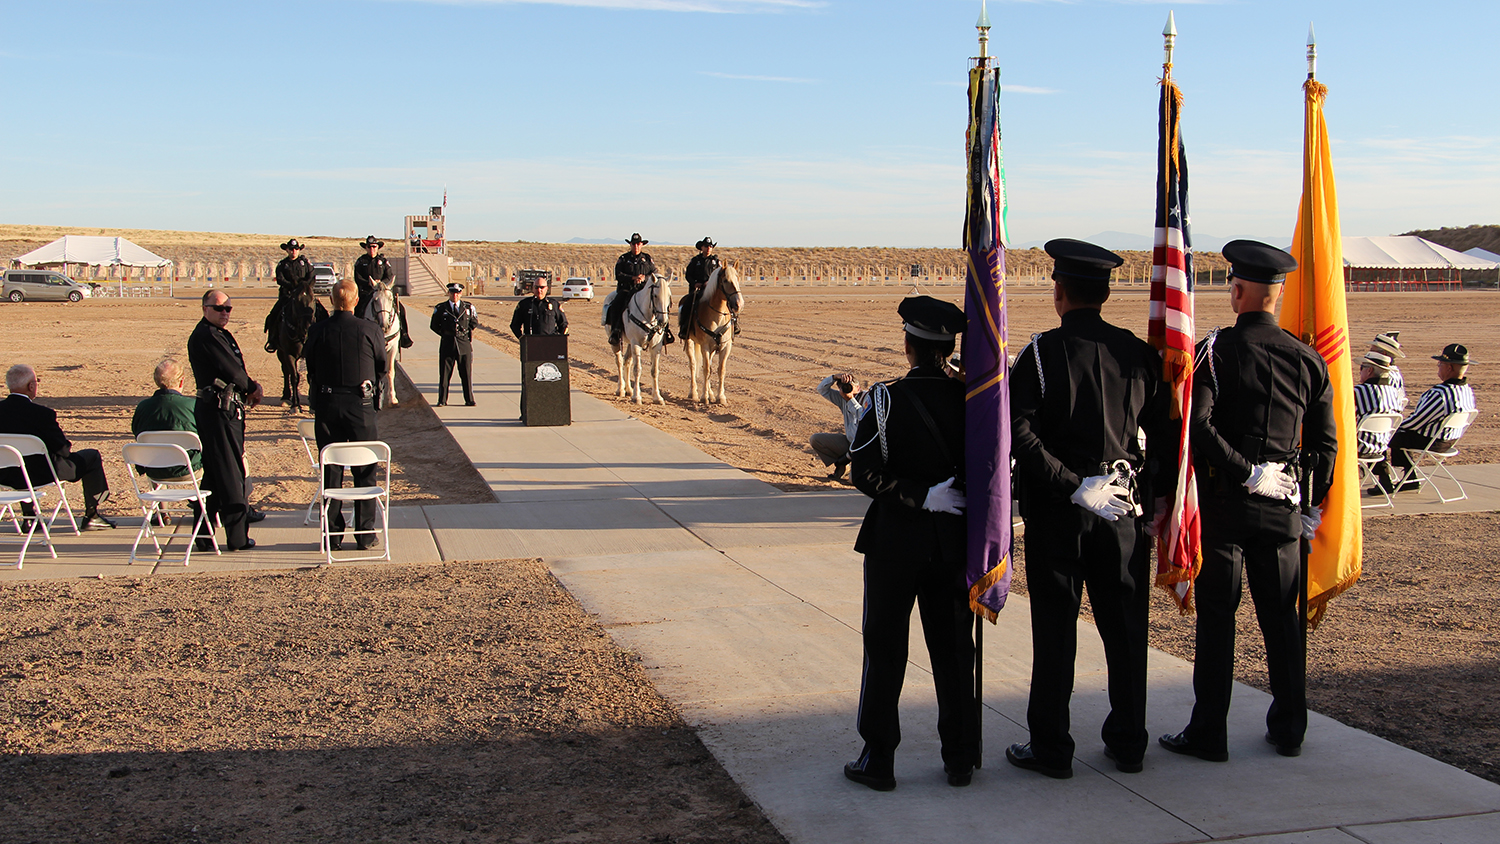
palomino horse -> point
(297, 315)
(382, 311)
(645, 328)
(710, 333)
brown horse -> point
(710, 333)
(297, 316)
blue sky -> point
(759, 122)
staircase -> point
(426, 275)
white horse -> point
(710, 333)
(645, 327)
(383, 312)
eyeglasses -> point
(223, 309)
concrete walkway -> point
(744, 604)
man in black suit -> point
(225, 392)
(454, 321)
(908, 458)
(20, 414)
(345, 356)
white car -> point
(577, 288)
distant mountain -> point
(1144, 243)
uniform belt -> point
(341, 391)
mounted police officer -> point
(1258, 393)
(908, 457)
(370, 268)
(1081, 396)
(345, 357)
(454, 321)
(698, 270)
(225, 392)
(293, 273)
(630, 276)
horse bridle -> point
(733, 314)
(658, 322)
(385, 317)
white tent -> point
(1406, 253)
(1483, 255)
(92, 251)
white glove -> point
(1269, 480)
(1101, 496)
(943, 498)
(1310, 523)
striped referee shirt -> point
(1436, 404)
(1369, 398)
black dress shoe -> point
(336, 543)
(959, 777)
(442, 404)
(1021, 756)
(838, 470)
(203, 544)
(249, 543)
(253, 515)
(365, 543)
(1181, 744)
(470, 403)
(1122, 766)
(94, 521)
(863, 772)
(1284, 749)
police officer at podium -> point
(345, 356)
(1257, 394)
(454, 322)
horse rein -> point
(658, 322)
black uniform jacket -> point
(699, 269)
(539, 316)
(344, 351)
(1261, 393)
(896, 527)
(629, 266)
(213, 353)
(367, 271)
(20, 415)
(292, 276)
(1103, 386)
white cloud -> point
(1025, 89)
(742, 7)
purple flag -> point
(987, 398)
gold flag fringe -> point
(983, 585)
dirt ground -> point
(377, 704)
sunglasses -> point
(223, 309)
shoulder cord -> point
(1208, 355)
(880, 402)
(1036, 355)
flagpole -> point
(983, 25)
(1309, 322)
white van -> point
(42, 286)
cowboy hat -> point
(636, 238)
(371, 241)
(1389, 342)
(704, 242)
(1377, 360)
(292, 244)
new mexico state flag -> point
(1313, 308)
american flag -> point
(1170, 330)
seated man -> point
(1375, 394)
(168, 410)
(833, 449)
(1423, 428)
(1389, 344)
(20, 414)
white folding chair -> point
(349, 455)
(189, 441)
(1426, 463)
(10, 457)
(1379, 426)
(158, 501)
(30, 445)
(307, 430)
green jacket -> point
(167, 410)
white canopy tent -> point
(92, 250)
(1483, 255)
(1405, 263)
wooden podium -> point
(545, 392)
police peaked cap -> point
(1252, 260)
(371, 241)
(292, 244)
(455, 287)
(1389, 342)
(636, 238)
(1084, 261)
(1454, 353)
(931, 319)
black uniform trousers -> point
(453, 354)
(891, 586)
(342, 418)
(1114, 564)
(1262, 537)
(223, 435)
